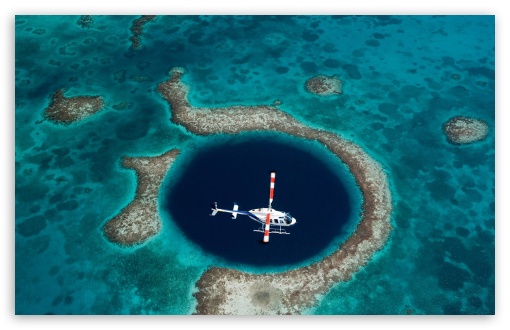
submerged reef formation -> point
(464, 130)
(67, 110)
(228, 291)
(85, 21)
(137, 30)
(140, 219)
(324, 85)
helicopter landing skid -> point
(273, 231)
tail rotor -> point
(214, 209)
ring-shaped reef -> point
(222, 290)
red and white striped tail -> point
(268, 216)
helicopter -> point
(266, 216)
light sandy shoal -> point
(228, 291)
(140, 220)
(464, 130)
(67, 110)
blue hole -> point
(239, 171)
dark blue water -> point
(239, 172)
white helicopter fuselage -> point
(277, 218)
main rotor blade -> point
(266, 229)
(268, 216)
(271, 189)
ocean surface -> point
(403, 77)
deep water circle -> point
(239, 171)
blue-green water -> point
(403, 76)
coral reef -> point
(464, 130)
(324, 85)
(67, 110)
(228, 291)
(137, 30)
(140, 220)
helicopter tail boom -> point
(234, 211)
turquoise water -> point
(403, 76)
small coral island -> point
(66, 110)
(324, 85)
(464, 130)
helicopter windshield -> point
(288, 218)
